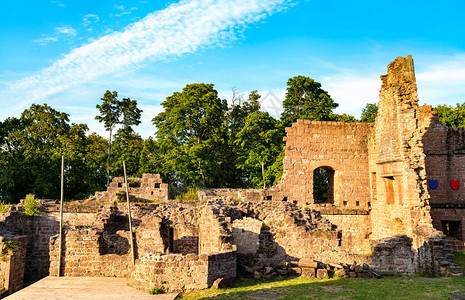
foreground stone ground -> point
(52, 288)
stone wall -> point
(175, 272)
(445, 162)
(269, 194)
(393, 256)
(276, 233)
(81, 256)
(39, 230)
(340, 147)
(149, 187)
(355, 226)
(12, 263)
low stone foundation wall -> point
(270, 194)
(12, 262)
(81, 256)
(393, 256)
(175, 272)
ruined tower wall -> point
(401, 204)
(340, 146)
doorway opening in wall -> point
(389, 189)
(452, 229)
(323, 185)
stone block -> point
(322, 273)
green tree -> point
(305, 99)
(96, 162)
(125, 112)
(192, 135)
(343, 118)
(369, 113)
(126, 147)
(261, 141)
(451, 116)
(130, 116)
(237, 114)
(110, 113)
(32, 147)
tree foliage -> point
(305, 99)
(113, 112)
(451, 116)
(260, 141)
(369, 113)
(192, 135)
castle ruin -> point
(393, 201)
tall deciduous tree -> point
(305, 99)
(32, 147)
(237, 114)
(110, 113)
(261, 142)
(125, 112)
(192, 135)
(130, 116)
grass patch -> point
(460, 259)
(346, 288)
(190, 195)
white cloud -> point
(58, 3)
(442, 81)
(66, 30)
(181, 28)
(59, 32)
(89, 19)
(352, 91)
(46, 40)
(124, 10)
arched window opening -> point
(323, 185)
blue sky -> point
(67, 53)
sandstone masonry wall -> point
(343, 147)
(176, 272)
(81, 256)
(12, 263)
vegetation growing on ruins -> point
(31, 207)
(200, 141)
(9, 248)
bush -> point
(31, 207)
(4, 208)
(155, 291)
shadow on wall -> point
(38, 230)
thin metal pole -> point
(61, 215)
(131, 238)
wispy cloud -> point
(58, 3)
(66, 30)
(59, 32)
(442, 81)
(124, 10)
(89, 19)
(181, 28)
(46, 40)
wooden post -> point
(131, 238)
(61, 215)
